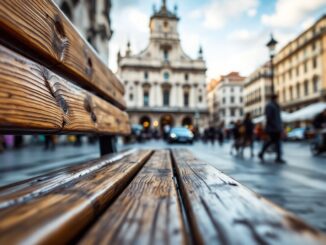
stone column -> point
(154, 94)
(178, 95)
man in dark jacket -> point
(273, 128)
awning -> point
(261, 119)
(307, 113)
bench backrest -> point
(51, 79)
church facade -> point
(164, 86)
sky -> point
(233, 33)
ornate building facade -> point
(225, 99)
(258, 90)
(300, 68)
(164, 86)
(92, 19)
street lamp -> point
(271, 46)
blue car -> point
(180, 135)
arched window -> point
(131, 96)
(145, 75)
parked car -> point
(296, 134)
(181, 135)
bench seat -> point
(144, 197)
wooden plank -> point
(40, 31)
(59, 216)
(222, 211)
(147, 212)
(34, 99)
(23, 191)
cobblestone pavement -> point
(298, 186)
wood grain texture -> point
(147, 212)
(222, 211)
(34, 99)
(39, 30)
(59, 216)
(23, 191)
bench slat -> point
(59, 216)
(222, 211)
(23, 191)
(39, 30)
(147, 212)
(34, 99)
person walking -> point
(273, 129)
(249, 133)
(211, 134)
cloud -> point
(252, 12)
(217, 13)
(240, 35)
(289, 13)
(129, 23)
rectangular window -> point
(305, 67)
(232, 111)
(298, 90)
(231, 99)
(131, 97)
(166, 98)
(284, 96)
(145, 75)
(315, 83)
(186, 77)
(314, 62)
(223, 100)
(146, 98)
(306, 88)
(186, 99)
(200, 98)
(166, 55)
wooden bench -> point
(51, 81)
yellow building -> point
(300, 68)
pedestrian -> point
(248, 133)
(237, 133)
(211, 134)
(319, 124)
(2, 141)
(220, 136)
(273, 129)
(49, 142)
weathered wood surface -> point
(34, 99)
(18, 193)
(222, 211)
(147, 211)
(39, 30)
(60, 216)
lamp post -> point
(271, 46)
